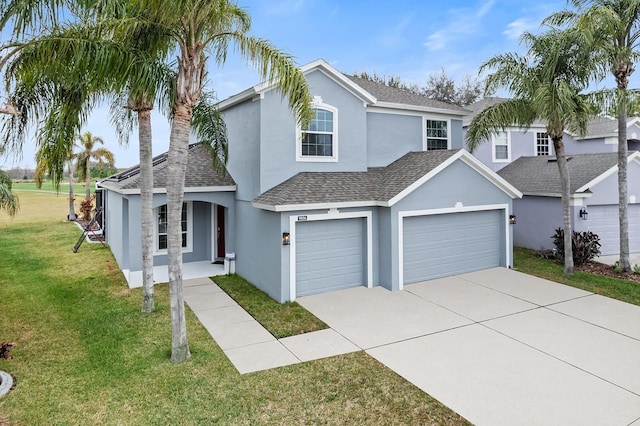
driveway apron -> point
(501, 347)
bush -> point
(585, 245)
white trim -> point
(471, 161)
(318, 104)
(421, 108)
(610, 140)
(494, 138)
(424, 131)
(318, 206)
(459, 209)
(189, 247)
(136, 191)
(330, 215)
(635, 156)
(535, 144)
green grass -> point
(526, 261)
(78, 188)
(86, 355)
(281, 319)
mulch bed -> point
(607, 271)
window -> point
(501, 147)
(161, 227)
(542, 144)
(319, 141)
(437, 135)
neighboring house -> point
(377, 191)
(513, 143)
(594, 199)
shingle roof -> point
(200, 173)
(540, 175)
(378, 184)
(385, 93)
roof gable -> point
(380, 186)
(371, 93)
(200, 175)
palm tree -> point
(545, 84)
(89, 151)
(8, 199)
(199, 28)
(613, 26)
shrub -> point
(585, 245)
(636, 268)
(5, 348)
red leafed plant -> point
(5, 348)
(86, 206)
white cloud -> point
(515, 28)
(485, 8)
(437, 40)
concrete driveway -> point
(501, 347)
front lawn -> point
(526, 261)
(86, 355)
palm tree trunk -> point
(561, 158)
(622, 184)
(72, 210)
(146, 198)
(176, 169)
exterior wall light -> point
(512, 219)
(286, 239)
(584, 213)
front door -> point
(220, 231)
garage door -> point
(329, 255)
(603, 220)
(449, 244)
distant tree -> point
(444, 88)
(8, 199)
(439, 86)
(43, 167)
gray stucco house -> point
(594, 199)
(377, 191)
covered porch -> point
(190, 270)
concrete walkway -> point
(247, 344)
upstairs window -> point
(319, 140)
(437, 134)
(501, 148)
(542, 144)
(161, 228)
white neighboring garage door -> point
(603, 220)
(329, 255)
(440, 245)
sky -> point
(410, 39)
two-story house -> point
(377, 190)
(526, 159)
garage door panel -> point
(603, 220)
(329, 255)
(441, 245)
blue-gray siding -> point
(447, 244)
(329, 255)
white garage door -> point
(329, 255)
(449, 244)
(603, 220)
